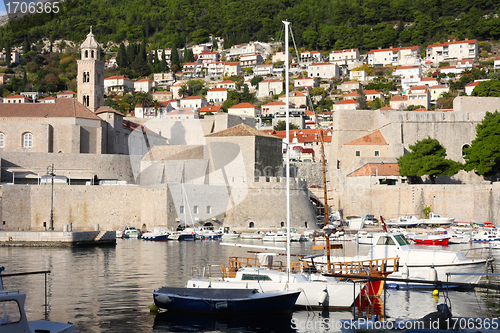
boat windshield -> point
(255, 277)
(10, 312)
(401, 240)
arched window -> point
(92, 54)
(282, 224)
(2, 140)
(86, 54)
(27, 140)
(463, 148)
(251, 225)
(305, 225)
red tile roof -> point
(375, 138)
(472, 41)
(218, 89)
(243, 106)
(346, 101)
(210, 109)
(380, 169)
(118, 77)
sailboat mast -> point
(287, 128)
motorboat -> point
(279, 236)
(159, 234)
(438, 219)
(486, 236)
(404, 221)
(13, 316)
(252, 235)
(131, 232)
(207, 233)
(225, 301)
(230, 236)
(441, 239)
(422, 264)
(119, 233)
(318, 291)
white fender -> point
(433, 275)
(323, 296)
(405, 272)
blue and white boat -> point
(224, 301)
(159, 234)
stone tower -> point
(90, 74)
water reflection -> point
(109, 289)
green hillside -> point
(316, 24)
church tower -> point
(90, 74)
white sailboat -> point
(318, 291)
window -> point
(251, 225)
(10, 312)
(358, 153)
(2, 140)
(86, 54)
(28, 140)
(209, 210)
(181, 210)
(377, 153)
(195, 209)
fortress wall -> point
(463, 202)
(26, 207)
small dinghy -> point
(229, 301)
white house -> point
(66, 94)
(208, 57)
(215, 68)
(227, 84)
(324, 70)
(244, 110)
(118, 84)
(304, 82)
(419, 95)
(345, 57)
(463, 49)
(270, 87)
(182, 114)
(347, 104)
(145, 85)
(217, 95)
(251, 60)
(50, 99)
(496, 63)
(263, 70)
(175, 89)
(429, 81)
(296, 98)
(232, 68)
(17, 99)
(349, 86)
(193, 102)
(311, 56)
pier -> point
(57, 238)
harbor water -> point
(109, 289)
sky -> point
(2, 8)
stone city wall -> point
(476, 203)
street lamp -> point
(51, 223)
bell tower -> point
(90, 74)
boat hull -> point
(229, 301)
(438, 241)
(341, 294)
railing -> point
(371, 267)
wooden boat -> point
(229, 301)
(430, 239)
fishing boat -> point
(421, 264)
(225, 301)
(252, 235)
(13, 315)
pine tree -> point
(483, 155)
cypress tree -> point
(7, 54)
(121, 57)
(174, 56)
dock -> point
(57, 238)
